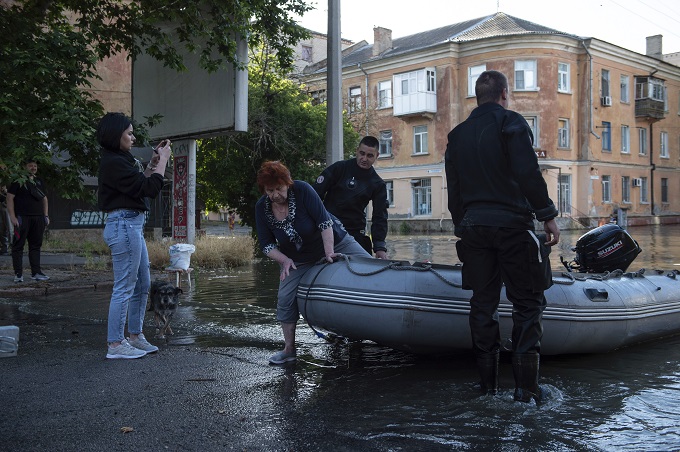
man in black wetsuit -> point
(346, 188)
(496, 190)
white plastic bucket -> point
(9, 341)
(180, 256)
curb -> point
(19, 292)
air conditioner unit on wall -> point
(637, 182)
(606, 101)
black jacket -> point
(122, 184)
(346, 190)
(492, 172)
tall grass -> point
(211, 252)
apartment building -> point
(606, 120)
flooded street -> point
(368, 397)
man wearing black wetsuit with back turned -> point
(346, 188)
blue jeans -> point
(124, 234)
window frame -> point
(385, 148)
(389, 186)
(625, 139)
(385, 101)
(642, 141)
(531, 69)
(605, 83)
(563, 133)
(421, 188)
(625, 189)
(420, 140)
(664, 190)
(606, 136)
(354, 101)
(473, 75)
(644, 191)
(606, 189)
(563, 77)
(625, 88)
(532, 120)
(663, 145)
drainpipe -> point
(366, 97)
(651, 163)
(590, 89)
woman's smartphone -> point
(160, 145)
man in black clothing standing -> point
(347, 186)
(496, 190)
(27, 207)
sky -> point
(625, 23)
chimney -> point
(654, 46)
(382, 40)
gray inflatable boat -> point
(421, 308)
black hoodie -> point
(122, 183)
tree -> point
(282, 125)
(51, 51)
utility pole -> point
(334, 138)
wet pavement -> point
(210, 388)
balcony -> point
(650, 97)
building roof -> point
(499, 24)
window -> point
(385, 94)
(422, 196)
(649, 88)
(354, 99)
(390, 192)
(605, 83)
(533, 125)
(625, 189)
(606, 136)
(625, 88)
(643, 190)
(563, 133)
(563, 77)
(642, 141)
(385, 144)
(307, 53)
(473, 74)
(414, 92)
(318, 97)
(625, 140)
(420, 140)
(525, 75)
(564, 193)
(606, 189)
(431, 88)
(664, 189)
(663, 152)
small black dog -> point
(164, 299)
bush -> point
(404, 228)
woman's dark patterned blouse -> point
(298, 236)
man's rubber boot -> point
(525, 370)
(488, 372)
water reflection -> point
(660, 247)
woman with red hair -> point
(295, 229)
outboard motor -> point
(604, 249)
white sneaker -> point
(142, 344)
(18, 279)
(40, 277)
(124, 351)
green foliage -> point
(51, 51)
(404, 228)
(282, 125)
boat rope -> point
(420, 267)
(329, 337)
